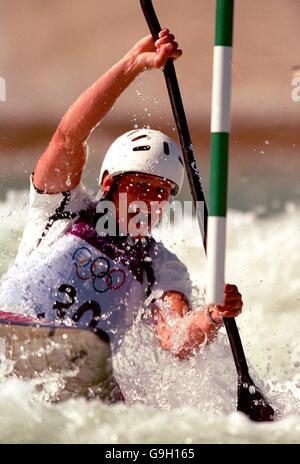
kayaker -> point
(66, 270)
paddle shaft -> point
(181, 124)
(193, 176)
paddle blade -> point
(252, 402)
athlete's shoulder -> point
(50, 215)
(160, 252)
(171, 274)
(73, 200)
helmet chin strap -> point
(109, 194)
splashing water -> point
(192, 401)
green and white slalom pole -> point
(250, 399)
(220, 129)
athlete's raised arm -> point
(61, 165)
(188, 330)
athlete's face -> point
(150, 190)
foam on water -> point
(193, 401)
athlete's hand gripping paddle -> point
(250, 399)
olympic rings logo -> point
(98, 270)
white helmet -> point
(146, 151)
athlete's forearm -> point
(198, 329)
(92, 106)
(183, 336)
(61, 165)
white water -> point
(186, 401)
